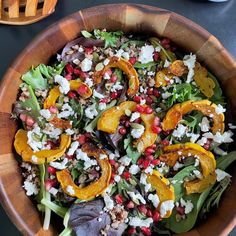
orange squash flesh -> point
(23, 149)
(94, 189)
(164, 189)
(175, 114)
(127, 68)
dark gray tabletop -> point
(218, 18)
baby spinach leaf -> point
(86, 34)
(138, 43)
(139, 65)
(78, 109)
(130, 151)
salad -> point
(123, 135)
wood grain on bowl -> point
(128, 17)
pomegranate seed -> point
(150, 91)
(167, 132)
(156, 216)
(150, 157)
(148, 110)
(138, 120)
(29, 121)
(140, 161)
(155, 56)
(142, 209)
(131, 231)
(82, 139)
(112, 162)
(180, 210)
(50, 183)
(137, 99)
(130, 205)
(165, 142)
(132, 60)
(68, 76)
(165, 41)
(51, 144)
(153, 146)
(88, 50)
(119, 199)
(23, 117)
(139, 108)
(52, 170)
(122, 130)
(156, 129)
(126, 175)
(156, 162)
(146, 164)
(108, 72)
(114, 95)
(83, 75)
(113, 78)
(53, 109)
(70, 157)
(104, 100)
(69, 68)
(156, 121)
(113, 174)
(82, 89)
(87, 135)
(146, 231)
(207, 144)
(127, 123)
(77, 71)
(149, 213)
(149, 151)
(156, 92)
(149, 100)
(71, 94)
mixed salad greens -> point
(123, 135)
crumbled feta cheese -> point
(223, 138)
(189, 61)
(119, 53)
(34, 137)
(120, 170)
(86, 65)
(177, 166)
(52, 131)
(220, 175)
(106, 62)
(91, 112)
(137, 222)
(180, 131)
(116, 86)
(102, 106)
(167, 63)
(142, 89)
(59, 165)
(154, 199)
(137, 132)
(219, 109)
(125, 160)
(74, 145)
(31, 188)
(102, 156)
(143, 180)
(80, 155)
(198, 174)
(111, 156)
(69, 131)
(76, 61)
(157, 48)
(202, 141)
(109, 204)
(64, 85)
(165, 207)
(146, 54)
(197, 162)
(66, 111)
(166, 95)
(134, 169)
(97, 94)
(149, 170)
(193, 137)
(134, 116)
(45, 113)
(188, 206)
(142, 102)
(53, 191)
(136, 197)
(205, 124)
(125, 55)
(89, 82)
(117, 178)
(106, 76)
(70, 190)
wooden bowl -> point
(130, 18)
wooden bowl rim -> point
(12, 214)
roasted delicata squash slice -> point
(109, 122)
(178, 68)
(39, 157)
(94, 189)
(164, 190)
(206, 107)
(162, 78)
(206, 159)
(127, 68)
(54, 93)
